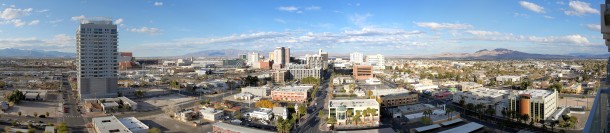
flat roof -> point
(133, 124)
(108, 124)
(293, 88)
(451, 122)
(426, 128)
(537, 93)
(354, 102)
(379, 130)
(472, 126)
(237, 128)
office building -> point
(110, 124)
(375, 60)
(252, 59)
(291, 93)
(279, 76)
(257, 91)
(220, 127)
(362, 72)
(97, 41)
(537, 104)
(300, 71)
(356, 57)
(485, 96)
(338, 109)
(281, 57)
(314, 61)
(395, 97)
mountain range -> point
(499, 53)
(22, 53)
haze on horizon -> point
(170, 28)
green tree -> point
(62, 128)
(35, 114)
(301, 110)
(47, 114)
(154, 130)
(356, 117)
(280, 124)
(139, 93)
(31, 130)
(19, 113)
(15, 97)
(2, 84)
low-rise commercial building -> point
(398, 99)
(291, 93)
(537, 104)
(220, 127)
(110, 124)
(261, 114)
(467, 86)
(257, 91)
(210, 114)
(340, 109)
(487, 97)
(575, 88)
(362, 72)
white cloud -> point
(442, 26)
(80, 18)
(520, 15)
(118, 21)
(379, 32)
(60, 42)
(579, 8)
(42, 11)
(594, 27)
(288, 8)
(575, 39)
(359, 19)
(279, 20)
(34, 22)
(15, 22)
(531, 6)
(312, 8)
(482, 33)
(549, 17)
(56, 21)
(12, 13)
(158, 3)
(151, 31)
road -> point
(73, 117)
(312, 123)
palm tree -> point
(373, 113)
(553, 124)
(365, 113)
(479, 108)
(349, 113)
(449, 111)
(469, 106)
(280, 124)
(356, 117)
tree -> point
(349, 113)
(15, 97)
(557, 86)
(553, 124)
(62, 128)
(264, 104)
(369, 94)
(479, 108)
(35, 114)
(356, 117)
(280, 124)
(470, 106)
(139, 93)
(301, 110)
(31, 130)
(331, 120)
(154, 130)
(19, 113)
(2, 84)
(449, 111)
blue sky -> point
(177, 27)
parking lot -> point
(28, 108)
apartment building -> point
(291, 93)
(96, 55)
(485, 96)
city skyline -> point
(171, 28)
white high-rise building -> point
(356, 57)
(375, 60)
(281, 57)
(314, 61)
(252, 58)
(96, 48)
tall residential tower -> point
(96, 48)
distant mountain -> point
(219, 53)
(22, 53)
(500, 53)
(587, 55)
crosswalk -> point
(72, 116)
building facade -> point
(257, 91)
(537, 104)
(356, 57)
(398, 99)
(375, 60)
(342, 109)
(252, 59)
(362, 72)
(291, 93)
(281, 57)
(96, 48)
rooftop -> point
(486, 92)
(354, 103)
(536, 93)
(294, 88)
(109, 124)
(237, 128)
(133, 124)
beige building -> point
(343, 110)
(291, 93)
(362, 72)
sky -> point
(177, 27)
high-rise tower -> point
(96, 48)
